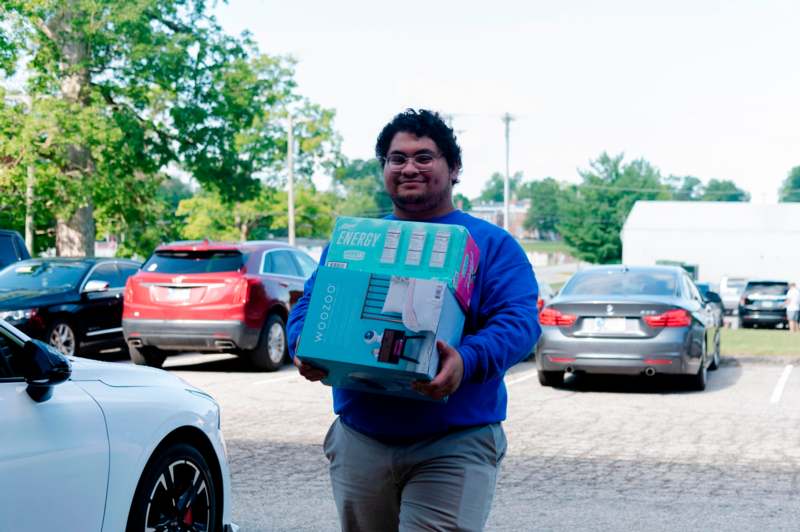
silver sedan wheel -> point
(276, 343)
(62, 338)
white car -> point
(93, 446)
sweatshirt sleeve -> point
(505, 326)
(297, 316)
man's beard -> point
(420, 202)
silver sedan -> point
(628, 320)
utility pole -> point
(507, 118)
(29, 207)
(290, 160)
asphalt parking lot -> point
(600, 454)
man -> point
(403, 464)
(793, 307)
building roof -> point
(713, 216)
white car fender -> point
(133, 437)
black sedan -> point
(73, 304)
(628, 320)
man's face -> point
(424, 191)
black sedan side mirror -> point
(44, 367)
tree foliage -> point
(592, 213)
(360, 184)
(118, 92)
(494, 189)
(544, 213)
(264, 216)
(724, 190)
(790, 188)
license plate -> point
(178, 294)
(605, 325)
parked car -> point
(763, 303)
(73, 304)
(546, 293)
(101, 446)
(12, 248)
(628, 320)
(713, 299)
(212, 297)
(730, 290)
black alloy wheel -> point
(176, 493)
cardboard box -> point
(413, 249)
(377, 333)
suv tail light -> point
(241, 293)
(551, 316)
(670, 318)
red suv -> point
(213, 297)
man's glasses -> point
(423, 161)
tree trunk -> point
(75, 232)
(71, 234)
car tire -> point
(147, 356)
(62, 336)
(699, 381)
(176, 491)
(715, 359)
(271, 350)
(551, 378)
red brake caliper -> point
(187, 517)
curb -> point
(769, 360)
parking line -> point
(523, 377)
(778, 391)
(277, 379)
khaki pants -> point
(444, 483)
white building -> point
(720, 238)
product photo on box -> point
(377, 333)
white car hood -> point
(117, 374)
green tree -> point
(724, 190)
(263, 216)
(544, 213)
(462, 202)
(790, 188)
(593, 212)
(685, 188)
(119, 90)
(493, 190)
(360, 182)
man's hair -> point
(422, 123)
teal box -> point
(414, 249)
(377, 333)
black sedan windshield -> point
(42, 275)
(621, 282)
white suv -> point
(730, 290)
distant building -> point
(493, 212)
(720, 238)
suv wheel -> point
(270, 352)
(147, 356)
(62, 336)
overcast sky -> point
(709, 88)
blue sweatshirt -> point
(500, 330)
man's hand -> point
(451, 371)
(308, 371)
